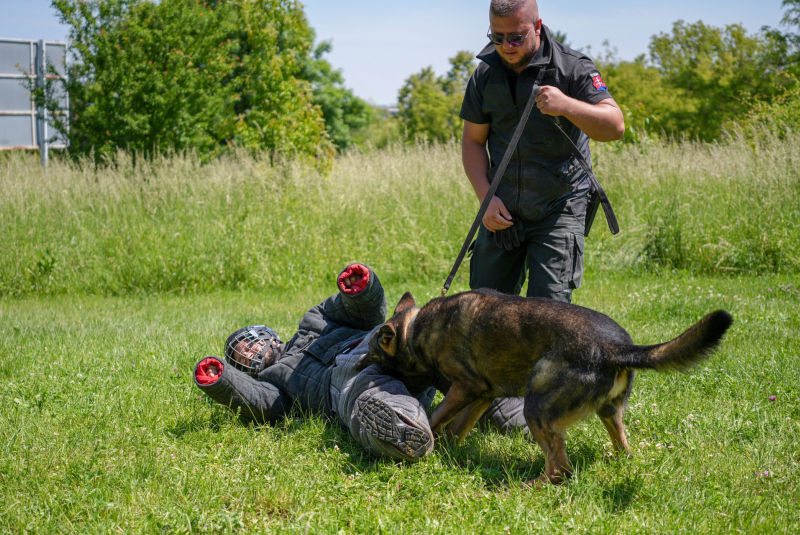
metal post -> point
(42, 111)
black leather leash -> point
(501, 169)
(597, 189)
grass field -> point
(175, 225)
(116, 280)
(104, 432)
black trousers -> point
(552, 256)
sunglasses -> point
(512, 40)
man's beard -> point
(521, 63)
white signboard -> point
(22, 124)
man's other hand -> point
(497, 217)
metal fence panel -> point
(14, 96)
(15, 55)
(21, 124)
(57, 57)
(17, 131)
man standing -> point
(535, 221)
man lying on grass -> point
(262, 378)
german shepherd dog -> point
(567, 361)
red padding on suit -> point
(359, 284)
(202, 375)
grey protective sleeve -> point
(364, 310)
(256, 401)
(504, 415)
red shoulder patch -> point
(597, 80)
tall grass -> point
(722, 207)
(174, 224)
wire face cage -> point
(252, 348)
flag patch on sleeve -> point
(597, 80)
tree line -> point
(696, 81)
(216, 74)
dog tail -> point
(694, 345)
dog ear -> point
(407, 301)
(386, 335)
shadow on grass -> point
(499, 462)
(219, 416)
(199, 421)
(499, 471)
(620, 496)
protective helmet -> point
(253, 348)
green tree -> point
(189, 74)
(429, 104)
(713, 70)
(779, 114)
(639, 90)
(344, 113)
(792, 19)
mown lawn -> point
(103, 431)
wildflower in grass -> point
(773, 398)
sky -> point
(378, 44)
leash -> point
(597, 189)
(501, 169)
(512, 146)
